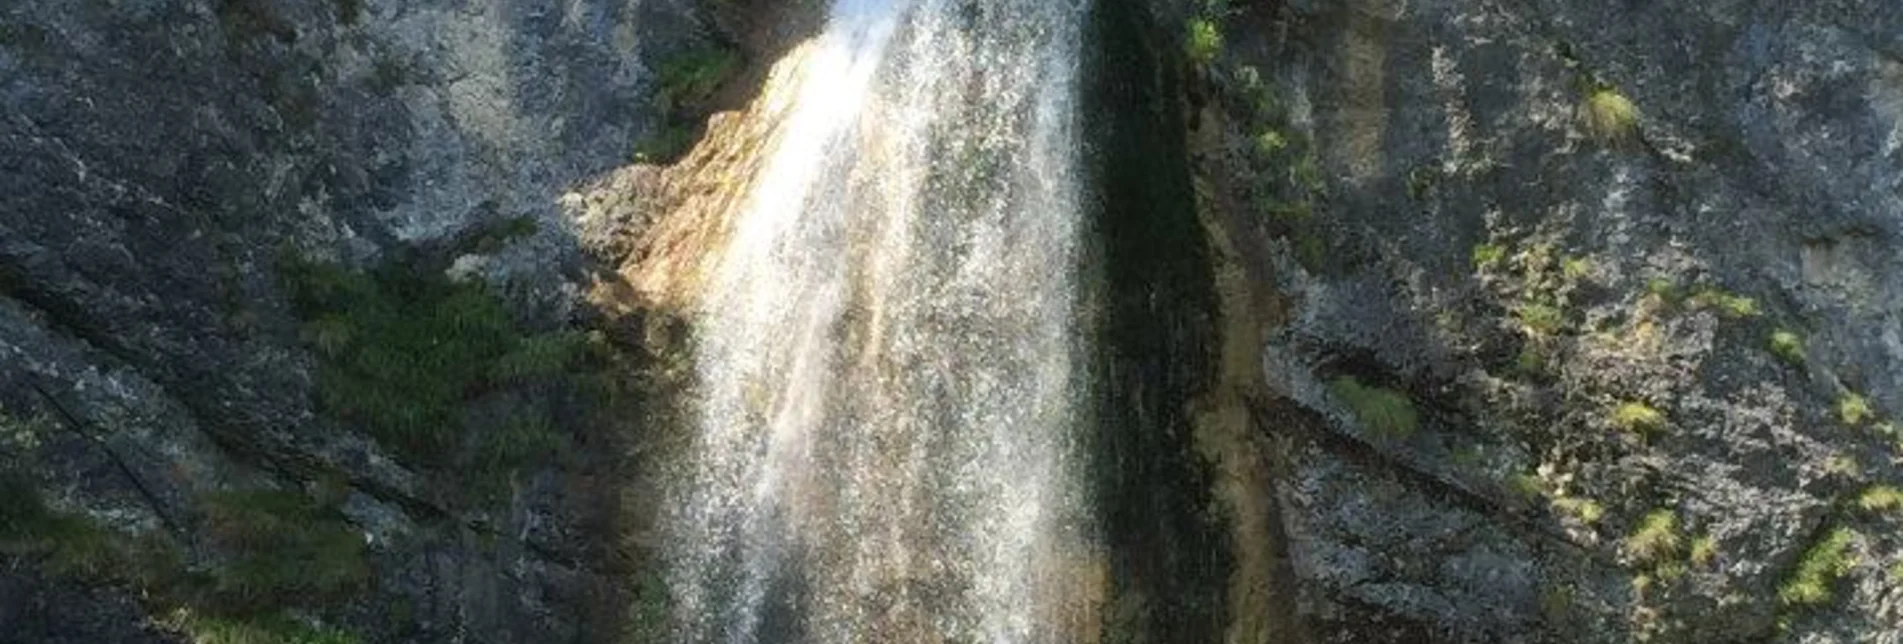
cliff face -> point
(1443, 321)
(1583, 318)
(163, 163)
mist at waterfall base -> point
(889, 369)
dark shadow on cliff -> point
(1168, 556)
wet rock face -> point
(1627, 264)
(161, 157)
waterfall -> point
(888, 356)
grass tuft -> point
(1202, 40)
(1854, 409)
(1787, 346)
(1810, 582)
(1704, 550)
(1587, 511)
(1386, 411)
(1486, 256)
(1611, 116)
(1656, 538)
(1637, 418)
(1726, 303)
(1540, 318)
(1880, 498)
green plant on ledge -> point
(1787, 346)
(1202, 40)
(1656, 538)
(403, 350)
(1387, 412)
(1853, 409)
(1610, 116)
(1880, 498)
(1637, 418)
(1810, 582)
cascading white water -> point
(888, 356)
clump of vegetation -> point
(1585, 510)
(1704, 550)
(1526, 485)
(68, 544)
(1575, 269)
(1843, 465)
(1386, 411)
(1637, 418)
(1820, 567)
(1662, 288)
(1202, 40)
(692, 77)
(1880, 498)
(1610, 116)
(1854, 409)
(1540, 318)
(1726, 303)
(1787, 346)
(273, 629)
(285, 547)
(1487, 256)
(1656, 538)
(687, 82)
(403, 350)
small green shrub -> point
(1270, 142)
(1386, 411)
(1656, 538)
(1726, 303)
(1540, 318)
(1637, 418)
(1704, 550)
(1880, 498)
(1787, 346)
(1663, 288)
(1586, 511)
(1575, 269)
(1844, 466)
(1486, 256)
(1854, 409)
(1202, 40)
(1610, 116)
(1810, 582)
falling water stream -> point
(890, 370)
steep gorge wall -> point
(163, 159)
(1590, 327)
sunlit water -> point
(890, 374)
